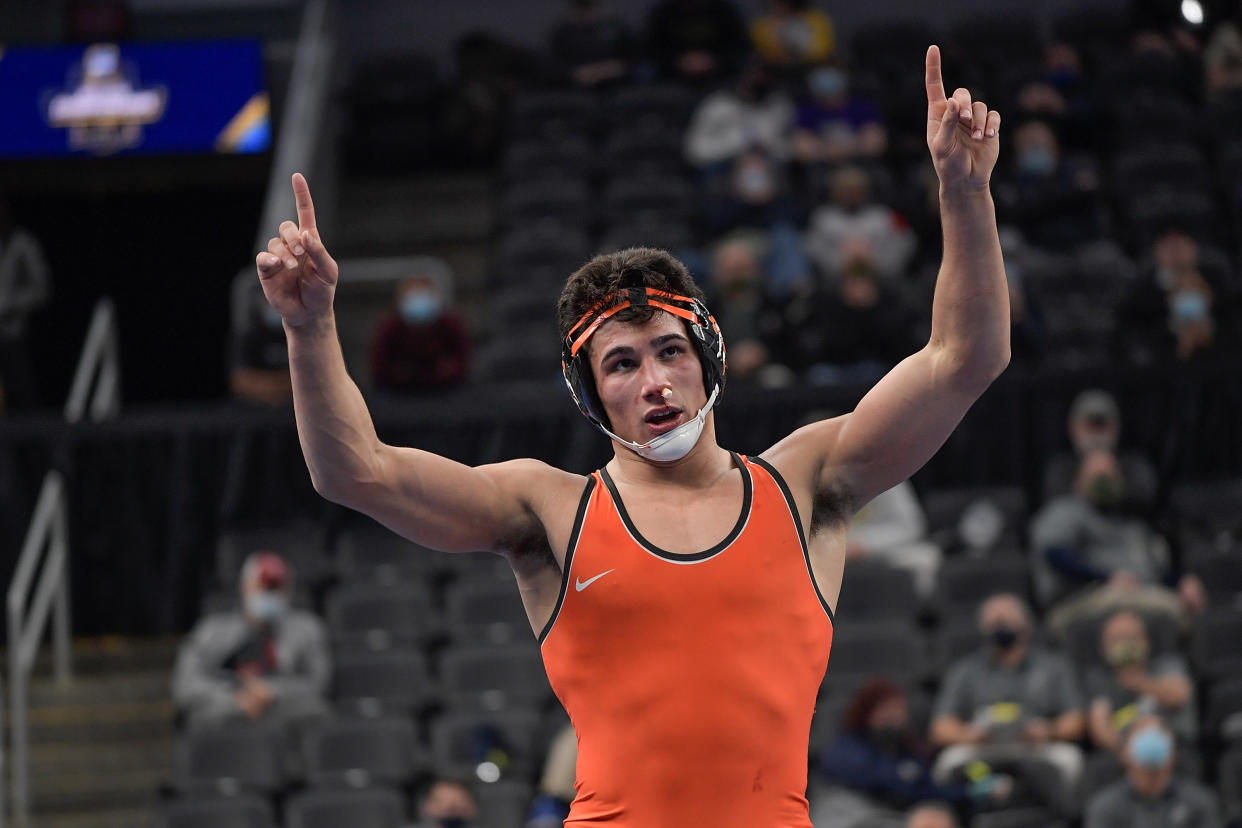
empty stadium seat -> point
(503, 804)
(365, 550)
(361, 752)
(481, 601)
(1017, 818)
(965, 581)
(246, 811)
(553, 113)
(944, 508)
(379, 616)
(494, 678)
(371, 808)
(229, 760)
(1215, 643)
(875, 590)
(862, 650)
(1229, 774)
(392, 680)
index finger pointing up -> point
(935, 85)
(302, 198)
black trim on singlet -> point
(569, 556)
(793, 511)
(742, 519)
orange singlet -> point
(690, 679)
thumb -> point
(324, 264)
(946, 136)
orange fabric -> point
(690, 680)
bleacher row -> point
(584, 171)
(436, 669)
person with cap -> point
(1151, 795)
(264, 661)
(684, 622)
(422, 343)
(1094, 422)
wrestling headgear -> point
(705, 338)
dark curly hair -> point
(601, 276)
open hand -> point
(963, 135)
(297, 274)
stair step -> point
(145, 685)
(116, 818)
(52, 759)
(112, 654)
(92, 791)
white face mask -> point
(675, 444)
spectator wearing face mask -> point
(448, 803)
(1183, 307)
(1151, 794)
(1135, 684)
(851, 214)
(422, 343)
(835, 126)
(1012, 706)
(1090, 558)
(1053, 198)
(877, 766)
(264, 661)
(1094, 422)
(750, 116)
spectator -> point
(260, 360)
(1151, 794)
(591, 47)
(892, 528)
(793, 34)
(25, 287)
(1061, 97)
(741, 303)
(1094, 422)
(1053, 199)
(851, 213)
(1222, 60)
(877, 766)
(1013, 706)
(754, 195)
(835, 126)
(422, 343)
(1135, 685)
(697, 41)
(447, 803)
(556, 785)
(1090, 559)
(1182, 307)
(751, 116)
(264, 661)
(857, 328)
(931, 815)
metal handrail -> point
(96, 391)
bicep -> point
(898, 425)
(446, 505)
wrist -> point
(965, 193)
(321, 324)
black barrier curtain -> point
(151, 491)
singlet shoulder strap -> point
(570, 548)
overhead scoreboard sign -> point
(133, 99)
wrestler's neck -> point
(701, 468)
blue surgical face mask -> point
(1189, 305)
(827, 83)
(265, 606)
(1037, 161)
(420, 307)
(1151, 748)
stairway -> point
(101, 747)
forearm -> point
(950, 730)
(1170, 691)
(1068, 727)
(970, 311)
(334, 427)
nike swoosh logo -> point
(581, 584)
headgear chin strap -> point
(705, 338)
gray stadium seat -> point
(360, 752)
(494, 678)
(229, 760)
(372, 808)
(365, 550)
(503, 804)
(875, 590)
(1017, 818)
(379, 616)
(965, 581)
(884, 648)
(480, 602)
(944, 507)
(1229, 773)
(392, 680)
(299, 541)
(1223, 711)
(246, 811)
(1215, 644)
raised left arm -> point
(908, 415)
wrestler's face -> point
(633, 363)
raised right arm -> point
(432, 500)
